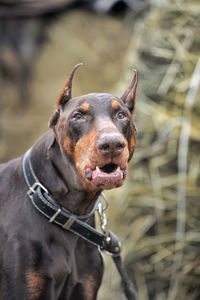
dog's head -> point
(97, 133)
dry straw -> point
(160, 203)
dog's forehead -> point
(96, 100)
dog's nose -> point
(111, 144)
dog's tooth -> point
(118, 169)
(98, 170)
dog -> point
(86, 150)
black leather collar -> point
(47, 206)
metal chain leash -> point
(113, 242)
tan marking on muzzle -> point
(85, 154)
(132, 145)
(67, 145)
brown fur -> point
(85, 106)
(90, 287)
(35, 283)
(115, 105)
(67, 145)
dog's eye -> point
(77, 116)
(121, 115)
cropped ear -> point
(54, 119)
(64, 97)
(66, 93)
(129, 95)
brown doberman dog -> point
(87, 149)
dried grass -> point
(160, 202)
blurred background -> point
(156, 213)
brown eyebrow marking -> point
(115, 104)
(85, 106)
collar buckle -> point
(33, 188)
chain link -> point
(102, 217)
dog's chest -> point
(80, 272)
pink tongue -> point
(107, 180)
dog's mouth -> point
(106, 177)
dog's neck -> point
(58, 174)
